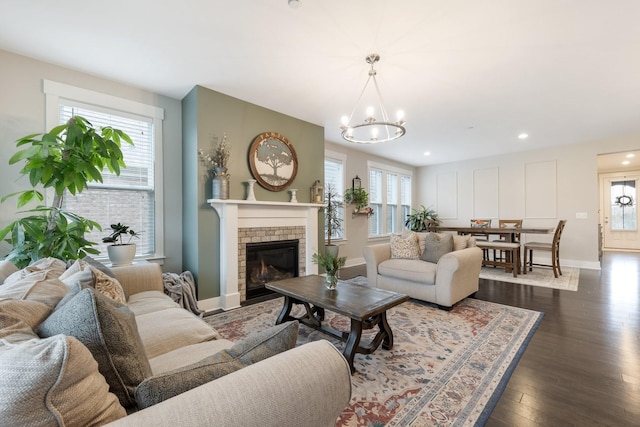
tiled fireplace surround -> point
(243, 221)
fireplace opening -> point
(269, 262)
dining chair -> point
(553, 247)
(481, 237)
(508, 223)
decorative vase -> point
(121, 254)
(220, 186)
(331, 281)
(250, 194)
(294, 199)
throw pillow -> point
(53, 381)
(96, 278)
(461, 242)
(52, 266)
(436, 245)
(109, 330)
(18, 318)
(405, 247)
(254, 348)
(42, 286)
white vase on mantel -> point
(250, 194)
(294, 199)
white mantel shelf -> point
(236, 214)
(213, 202)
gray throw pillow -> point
(108, 329)
(254, 348)
(436, 245)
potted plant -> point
(422, 219)
(67, 158)
(330, 264)
(332, 217)
(121, 253)
(357, 195)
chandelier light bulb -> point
(345, 120)
(370, 112)
(374, 133)
(400, 115)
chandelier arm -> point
(355, 106)
(385, 117)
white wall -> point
(527, 185)
(22, 111)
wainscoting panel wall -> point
(447, 195)
(485, 193)
(540, 190)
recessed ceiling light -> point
(294, 3)
(523, 136)
(630, 155)
(427, 153)
(626, 162)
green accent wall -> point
(207, 114)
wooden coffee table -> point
(366, 307)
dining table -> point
(509, 233)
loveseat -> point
(444, 279)
(97, 374)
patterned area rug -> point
(447, 368)
(542, 277)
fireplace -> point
(269, 262)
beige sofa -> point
(454, 277)
(55, 380)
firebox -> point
(268, 262)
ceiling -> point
(470, 76)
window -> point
(390, 199)
(623, 205)
(132, 197)
(334, 164)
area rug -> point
(447, 368)
(542, 277)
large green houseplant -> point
(421, 219)
(67, 158)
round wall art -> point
(273, 161)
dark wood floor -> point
(582, 367)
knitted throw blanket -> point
(181, 288)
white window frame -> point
(341, 157)
(55, 91)
(388, 169)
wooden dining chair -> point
(553, 247)
(508, 223)
(481, 237)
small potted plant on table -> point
(121, 253)
(330, 264)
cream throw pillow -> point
(405, 246)
(53, 381)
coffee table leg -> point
(286, 310)
(352, 343)
(387, 343)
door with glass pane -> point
(620, 203)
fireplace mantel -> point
(236, 214)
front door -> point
(620, 211)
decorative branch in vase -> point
(217, 163)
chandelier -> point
(372, 130)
